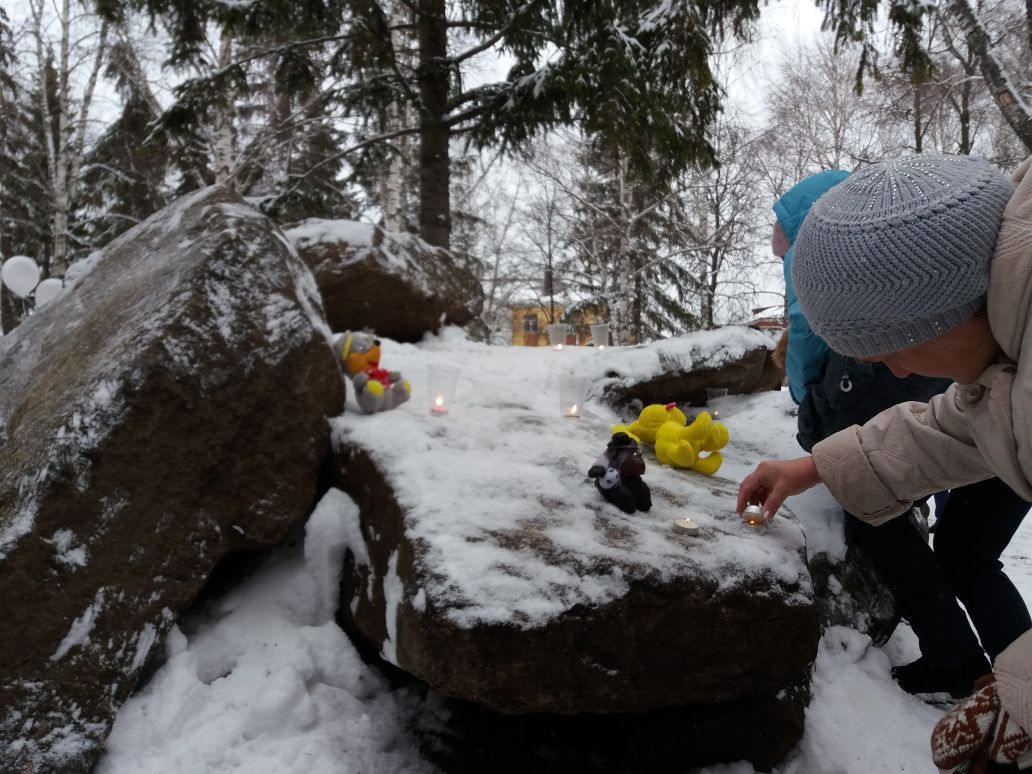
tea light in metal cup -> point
(573, 391)
(441, 380)
(686, 527)
(753, 516)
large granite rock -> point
(168, 408)
(490, 568)
(391, 283)
(688, 365)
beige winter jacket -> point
(969, 433)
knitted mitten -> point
(977, 731)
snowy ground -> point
(264, 681)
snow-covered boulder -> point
(487, 565)
(391, 283)
(167, 408)
(686, 366)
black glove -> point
(595, 471)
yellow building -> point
(530, 322)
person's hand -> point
(774, 480)
(978, 731)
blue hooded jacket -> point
(807, 352)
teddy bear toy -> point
(375, 388)
(618, 473)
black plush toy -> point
(618, 473)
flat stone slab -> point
(491, 568)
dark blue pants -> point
(976, 525)
(971, 533)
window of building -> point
(530, 323)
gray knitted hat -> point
(899, 252)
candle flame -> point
(558, 346)
(439, 401)
(573, 410)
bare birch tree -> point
(80, 43)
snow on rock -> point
(168, 408)
(498, 574)
(391, 283)
(681, 369)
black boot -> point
(958, 681)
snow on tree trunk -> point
(625, 276)
(281, 132)
(434, 161)
(395, 199)
(60, 189)
(65, 147)
(1016, 111)
(222, 144)
(705, 275)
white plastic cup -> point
(600, 335)
(557, 335)
(716, 402)
(441, 380)
(573, 391)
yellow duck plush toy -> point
(681, 447)
(653, 417)
(677, 443)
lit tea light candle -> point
(715, 398)
(442, 380)
(557, 335)
(573, 391)
(753, 516)
(686, 527)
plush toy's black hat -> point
(620, 440)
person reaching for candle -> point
(925, 264)
(834, 392)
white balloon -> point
(47, 289)
(20, 274)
